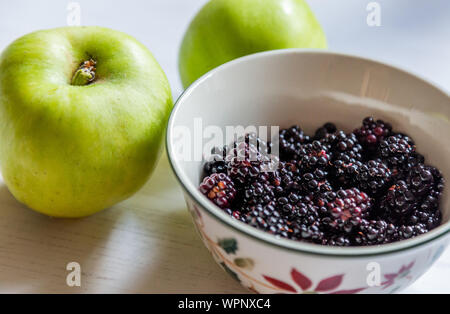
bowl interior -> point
(308, 88)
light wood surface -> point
(146, 244)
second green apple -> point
(224, 30)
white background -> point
(413, 34)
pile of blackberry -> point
(368, 187)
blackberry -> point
(372, 177)
(372, 132)
(343, 171)
(313, 182)
(216, 164)
(422, 179)
(347, 157)
(345, 204)
(405, 232)
(337, 240)
(397, 151)
(373, 232)
(286, 179)
(244, 164)
(219, 189)
(325, 130)
(369, 187)
(291, 141)
(259, 192)
(397, 202)
(313, 156)
(346, 147)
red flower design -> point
(402, 273)
(326, 285)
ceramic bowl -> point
(309, 88)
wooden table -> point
(146, 244)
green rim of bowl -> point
(265, 237)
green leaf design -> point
(230, 272)
(229, 245)
(241, 262)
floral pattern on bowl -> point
(241, 267)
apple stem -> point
(85, 74)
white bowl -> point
(309, 88)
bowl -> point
(309, 88)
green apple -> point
(82, 116)
(224, 30)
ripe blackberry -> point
(219, 189)
(429, 219)
(372, 132)
(325, 130)
(316, 181)
(259, 192)
(216, 164)
(244, 164)
(405, 232)
(346, 146)
(372, 177)
(291, 141)
(397, 202)
(337, 240)
(347, 157)
(397, 151)
(313, 156)
(422, 179)
(373, 232)
(343, 172)
(286, 179)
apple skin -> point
(224, 30)
(71, 151)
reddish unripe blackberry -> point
(372, 132)
(346, 204)
(219, 188)
(372, 177)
